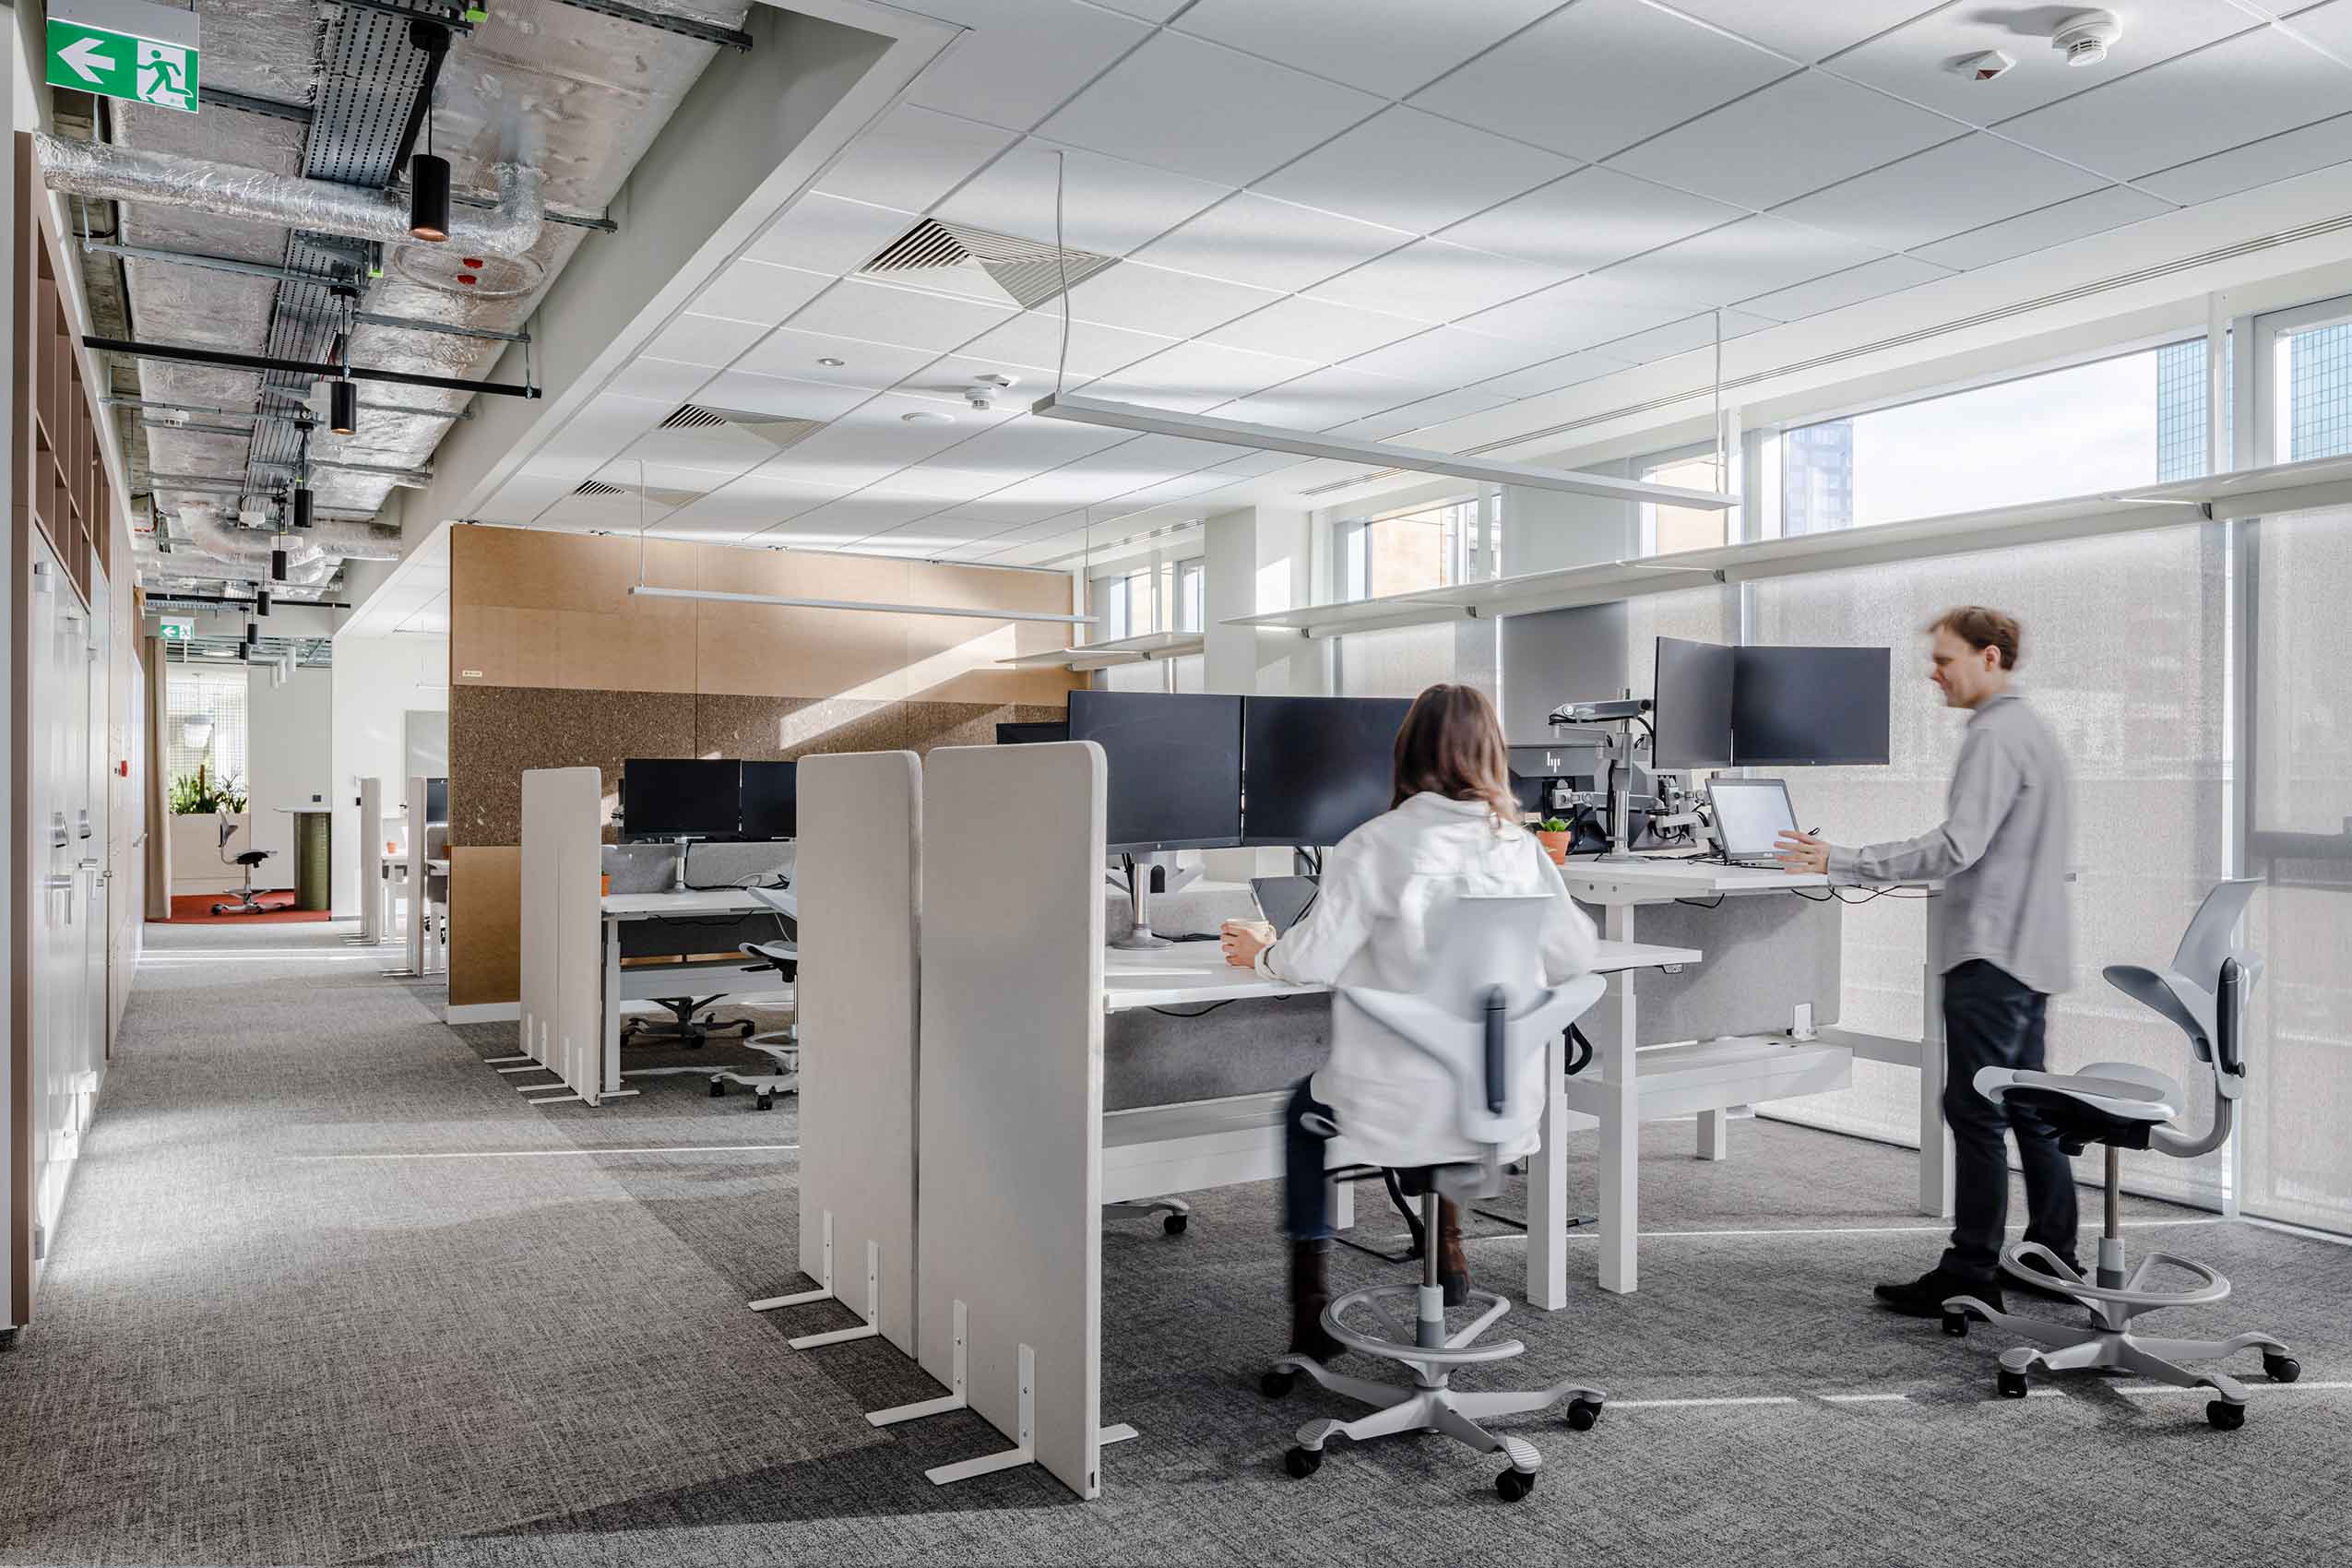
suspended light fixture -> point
(428, 176)
(253, 633)
(261, 601)
(716, 595)
(277, 566)
(343, 405)
(302, 506)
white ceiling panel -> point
(1206, 110)
(1579, 313)
(799, 356)
(1682, 336)
(1314, 330)
(877, 313)
(1419, 416)
(1594, 217)
(1193, 377)
(1413, 171)
(911, 157)
(2093, 214)
(606, 423)
(1868, 281)
(1912, 61)
(755, 500)
(758, 291)
(715, 450)
(663, 381)
(828, 234)
(1568, 370)
(1258, 464)
(1597, 77)
(683, 524)
(1795, 136)
(2137, 125)
(940, 485)
(1737, 261)
(1320, 401)
(1446, 357)
(664, 485)
(1808, 32)
(1435, 280)
(1108, 204)
(870, 443)
(1253, 239)
(1019, 59)
(519, 500)
(701, 339)
(779, 397)
(2260, 163)
(860, 514)
(1150, 10)
(1027, 445)
(1152, 298)
(1961, 185)
(1033, 341)
(1389, 47)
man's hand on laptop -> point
(1801, 854)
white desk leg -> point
(1621, 1122)
(610, 1036)
(1547, 1189)
(1714, 1134)
(1935, 1139)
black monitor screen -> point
(1027, 734)
(1693, 705)
(1318, 767)
(1174, 763)
(665, 797)
(1795, 706)
(437, 800)
(771, 800)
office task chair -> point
(2125, 1106)
(247, 902)
(1484, 1021)
(780, 1046)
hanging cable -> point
(1062, 264)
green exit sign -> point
(126, 49)
(176, 629)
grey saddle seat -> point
(2122, 1105)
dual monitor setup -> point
(1746, 707)
(707, 798)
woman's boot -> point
(1309, 1293)
(1452, 1262)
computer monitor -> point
(1798, 706)
(1749, 816)
(1175, 767)
(1026, 734)
(1317, 768)
(1693, 711)
(668, 798)
(771, 800)
(437, 800)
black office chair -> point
(246, 904)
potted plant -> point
(1555, 835)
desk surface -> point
(1194, 972)
(657, 905)
(1651, 882)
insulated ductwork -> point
(257, 195)
(321, 547)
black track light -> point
(277, 566)
(343, 406)
(302, 506)
(261, 601)
(429, 198)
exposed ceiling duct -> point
(257, 195)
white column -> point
(1256, 559)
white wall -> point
(287, 759)
(378, 681)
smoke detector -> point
(2085, 37)
(982, 393)
(1984, 67)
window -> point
(1667, 530)
(1189, 586)
(205, 721)
(1406, 551)
(2314, 370)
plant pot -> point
(1556, 845)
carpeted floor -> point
(482, 1333)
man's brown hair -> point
(1451, 744)
(1981, 628)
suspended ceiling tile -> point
(1887, 275)
(864, 514)
(827, 234)
(1389, 47)
(1314, 330)
(800, 356)
(1798, 135)
(1017, 59)
(1806, 31)
(1595, 77)
(1152, 298)
(2137, 125)
(1258, 465)
(1319, 401)
(1407, 170)
(712, 449)
(758, 291)
(1033, 341)
(1446, 357)
(755, 500)
(1435, 281)
(1593, 218)
(1205, 111)
(1568, 370)
(779, 397)
(1913, 62)
(1027, 445)
(1150, 10)
(1961, 185)
(1737, 261)
(2258, 163)
(665, 485)
(1429, 411)
(2093, 214)
(911, 157)
(940, 485)
(1248, 238)
(1192, 378)
(1576, 314)
(1693, 332)
(663, 381)
(700, 340)
(1108, 205)
(877, 313)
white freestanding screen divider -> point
(372, 884)
(856, 879)
(415, 882)
(1011, 1097)
(562, 935)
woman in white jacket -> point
(1453, 830)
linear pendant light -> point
(1112, 415)
(717, 597)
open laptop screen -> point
(1749, 815)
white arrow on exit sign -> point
(88, 59)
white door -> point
(97, 838)
(58, 641)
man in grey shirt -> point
(2007, 946)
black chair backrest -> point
(2229, 1019)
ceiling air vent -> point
(596, 487)
(778, 431)
(1027, 272)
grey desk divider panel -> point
(562, 935)
(860, 861)
(1011, 1174)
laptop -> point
(1749, 816)
(1283, 900)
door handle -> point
(58, 883)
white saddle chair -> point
(1487, 1019)
(2125, 1106)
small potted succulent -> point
(1555, 835)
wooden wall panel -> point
(485, 912)
(533, 608)
(953, 658)
(767, 650)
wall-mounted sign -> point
(125, 49)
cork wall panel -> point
(787, 729)
(485, 917)
(495, 732)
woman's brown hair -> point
(1451, 744)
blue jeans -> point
(1306, 1197)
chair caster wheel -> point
(719, 1088)
(1956, 1325)
(1582, 1414)
(2225, 1416)
(2013, 1384)
(1512, 1485)
(1303, 1462)
(1175, 1223)
(2282, 1369)
(764, 1102)
(1276, 1384)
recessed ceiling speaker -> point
(343, 417)
(429, 198)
